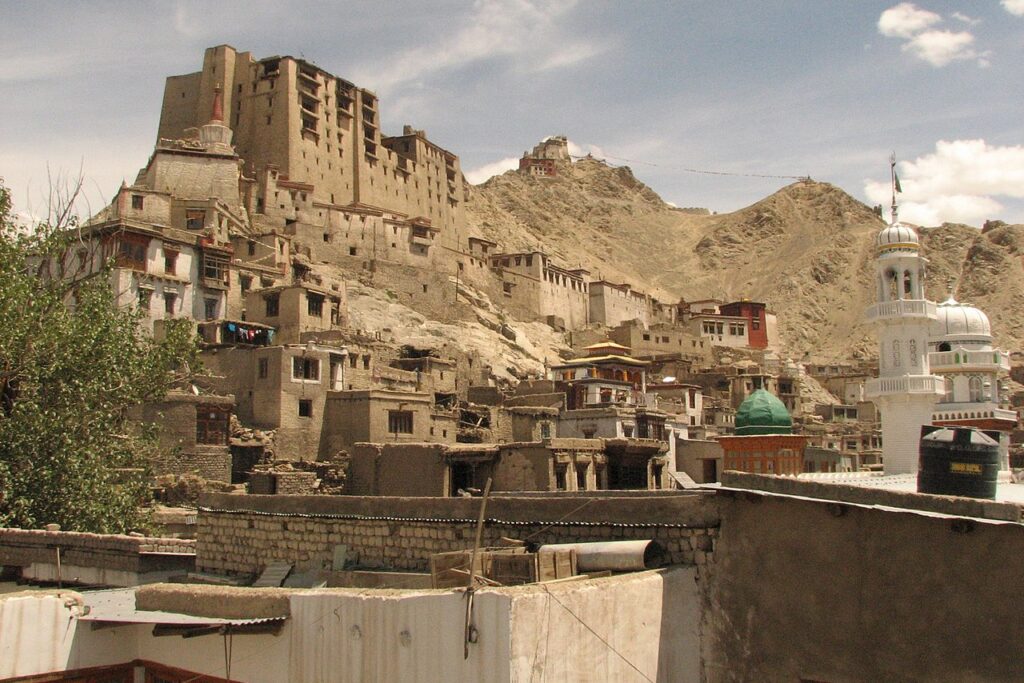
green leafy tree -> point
(72, 364)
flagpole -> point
(892, 179)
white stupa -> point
(905, 391)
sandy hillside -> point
(806, 250)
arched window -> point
(944, 346)
(913, 352)
(975, 389)
(895, 353)
(907, 288)
(893, 284)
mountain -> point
(807, 250)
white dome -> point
(897, 235)
(960, 322)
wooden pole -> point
(470, 630)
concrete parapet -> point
(948, 505)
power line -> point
(596, 634)
(700, 171)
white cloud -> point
(958, 183)
(960, 16)
(524, 29)
(577, 150)
(483, 173)
(1015, 7)
(939, 48)
(922, 39)
(904, 20)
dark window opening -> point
(400, 421)
(170, 300)
(138, 201)
(195, 219)
(264, 368)
(170, 262)
(131, 252)
(627, 474)
(212, 425)
(273, 305)
(305, 368)
(560, 472)
(462, 477)
(305, 407)
(315, 305)
(215, 267)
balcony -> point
(903, 308)
(956, 412)
(984, 361)
(907, 384)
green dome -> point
(763, 413)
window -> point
(195, 219)
(210, 308)
(306, 368)
(315, 305)
(131, 252)
(581, 477)
(264, 368)
(366, 362)
(273, 303)
(305, 407)
(215, 267)
(560, 477)
(138, 201)
(212, 425)
(170, 262)
(975, 387)
(353, 359)
(245, 282)
(545, 430)
(170, 302)
(400, 421)
(252, 248)
(351, 251)
(145, 297)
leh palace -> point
(430, 440)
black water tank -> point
(958, 461)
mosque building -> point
(960, 349)
(764, 442)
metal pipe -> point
(617, 556)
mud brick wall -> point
(242, 534)
(294, 483)
(22, 547)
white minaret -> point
(905, 391)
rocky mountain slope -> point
(806, 251)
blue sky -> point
(825, 88)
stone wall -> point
(23, 547)
(242, 534)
